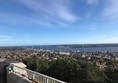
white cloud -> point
(107, 39)
(9, 40)
(92, 2)
(56, 10)
(27, 35)
(47, 12)
(14, 18)
(111, 9)
(23, 40)
(99, 40)
(64, 14)
(20, 19)
(91, 26)
(4, 37)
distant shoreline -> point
(71, 45)
(87, 45)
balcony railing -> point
(34, 76)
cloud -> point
(111, 9)
(23, 40)
(64, 14)
(91, 27)
(13, 40)
(21, 19)
(4, 37)
(113, 39)
(99, 40)
(27, 35)
(92, 2)
(46, 13)
(14, 18)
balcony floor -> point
(2, 79)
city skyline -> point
(39, 22)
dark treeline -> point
(75, 71)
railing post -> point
(47, 80)
(31, 75)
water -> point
(85, 49)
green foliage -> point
(112, 74)
(31, 64)
(66, 70)
(75, 71)
(42, 66)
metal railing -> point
(34, 76)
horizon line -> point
(57, 44)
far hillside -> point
(87, 45)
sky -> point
(50, 22)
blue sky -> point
(47, 22)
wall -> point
(1, 68)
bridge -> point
(21, 74)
